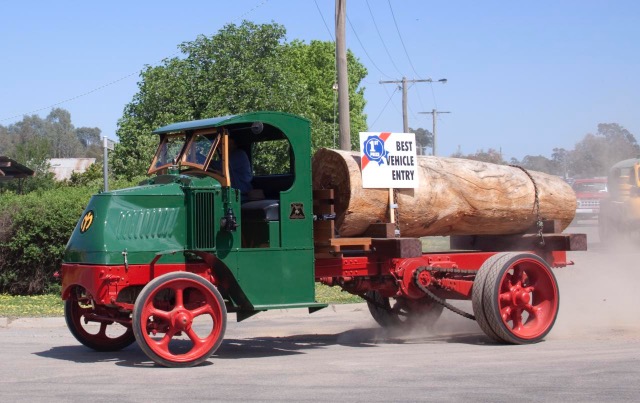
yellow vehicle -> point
(620, 211)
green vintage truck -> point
(163, 263)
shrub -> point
(34, 230)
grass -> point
(51, 305)
(335, 295)
(30, 306)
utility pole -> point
(344, 122)
(434, 112)
(404, 81)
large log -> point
(454, 197)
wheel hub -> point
(182, 320)
(519, 296)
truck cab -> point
(257, 245)
(620, 210)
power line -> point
(72, 98)
(262, 2)
(365, 50)
(433, 94)
(382, 40)
(335, 74)
(385, 106)
(401, 41)
(389, 95)
(324, 21)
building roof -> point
(11, 169)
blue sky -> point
(523, 77)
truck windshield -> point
(168, 152)
(199, 148)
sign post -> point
(388, 160)
(107, 144)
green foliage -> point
(37, 227)
(271, 158)
(539, 163)
(491, 155)
(33, 140)
(242, 68)
(592, 156)
(93, 176)
(424, 140)
(34, 230)
(596, 153)
(313, 65)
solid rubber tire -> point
(92, 341)
(138, 310)
(491, 306)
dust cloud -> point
(600, 293)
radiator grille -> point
(203, 220)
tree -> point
(596, 153)
(539, 163)
(242, 68)
(61, 134)
(31, 146)
(314, 67)
(560, 158)
(6, 143)
(33, 141)
(90, 139)
(491, 155)
(424, 139)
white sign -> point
(108, 143)
(388, 160)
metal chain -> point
(536, 205)
(381, 306)
(428, 292)
(435, 297)
(397, 215)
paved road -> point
(593, 354)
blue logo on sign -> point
(374, 149)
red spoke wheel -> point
(179, 319)
(403, 312)
(518, 299)
(88, 326)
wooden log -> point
(454, 197)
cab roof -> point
(626, 163)
(276, 119)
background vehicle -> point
(163, 263)
(589, 193)
(620, 211)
